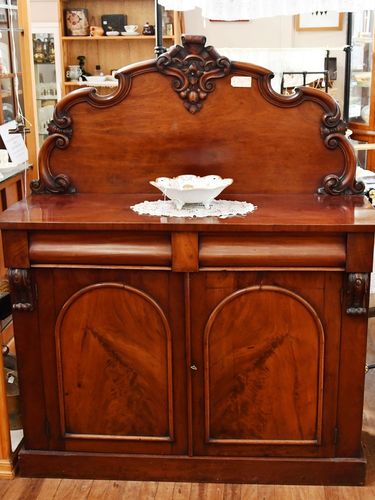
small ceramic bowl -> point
(191, 188)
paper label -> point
(241, 81)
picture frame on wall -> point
(324, 20)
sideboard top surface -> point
(112, 212)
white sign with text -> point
(14, 143)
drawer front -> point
(101, 248)
(291, 250)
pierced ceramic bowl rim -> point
(227, 181)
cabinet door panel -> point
(260, 349)
(119, 346)
(253, 354)
(114, 364)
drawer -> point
(100, 248)
(272, 250)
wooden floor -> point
(67, 489)
(46, 489)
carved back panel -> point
(181, 114)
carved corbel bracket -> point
(194, 67)
(23, 292)
(356, 293)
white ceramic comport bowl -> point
(96, 79)
(191, 188)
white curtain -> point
(231, 10)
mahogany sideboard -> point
(193, 349)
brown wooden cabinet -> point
(209, 349)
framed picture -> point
(76, 22)
(169, 29)
(320, 20)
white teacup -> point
(3, 156)
(131, 28)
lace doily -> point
(218, 208)
(108, 83)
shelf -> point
(9, 75)
(112, 38)
(72, 84)
(8, 30)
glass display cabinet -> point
(9, 84)
(46, 56)
(362, 83)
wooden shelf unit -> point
(98, 50)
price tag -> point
(241, 81)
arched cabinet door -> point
(262, 366)
(115, 344)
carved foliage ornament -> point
(22, 290)
(193, 67)
(60, 124)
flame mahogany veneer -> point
(192, 349)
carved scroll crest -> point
(49, 183)
(194, 67)
(22, 290)
(356, 293)
(333, 130)
(61, 130)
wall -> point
(43, 11)
(269, 32)
(276, 32)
